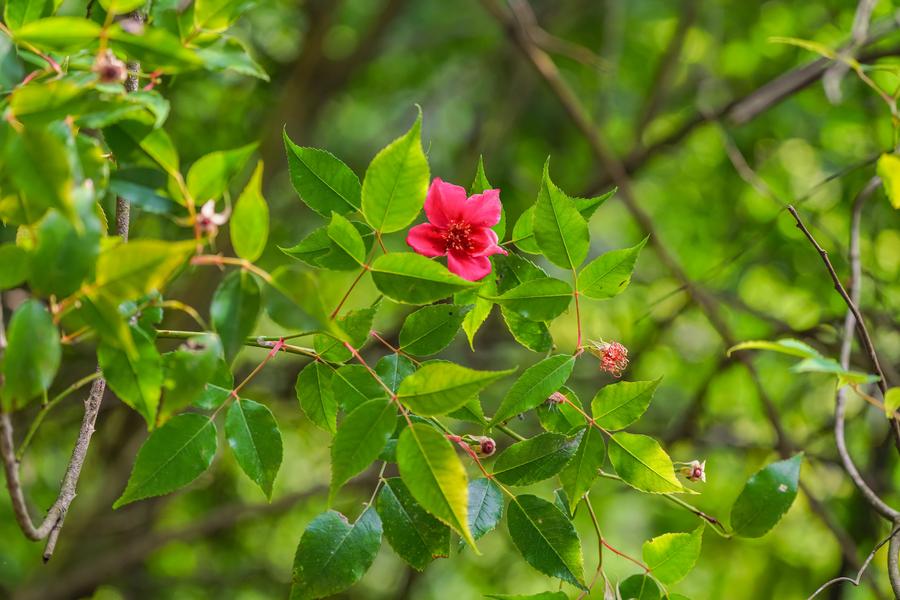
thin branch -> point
(859, 574)
(840, 408)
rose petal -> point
(426, 239)
(483, 210)
(444, 203)
(468, 267)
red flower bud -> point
(613, 357)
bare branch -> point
(855, 580)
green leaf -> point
(129, 271)
(891, 401)
(534, 386)
(121, 7)
(218, 389)
(471, 412)
(673, 555)
(480, 185)
(230, 54)
(59, 33)
(541, 299)
(393, 369)
(609, 274)
(431, 328)
(360, 439)
(480, 307)
(787, 346)
(17, 13)
(416, 536)
(559, 229)
(187, 370)
(136, 379)
(250, 221)
(765, 498)
(638, 587)
(581, 472)
(15, 265)
(413, 279)
(343, 233)
(172, 457)
(353, 386)
(888, 169)
(234, 310)
(531, 334)
(535, 459)
(642, 463)
(440, 387)
(396, 182)
(514, 269)
(155, 48)
(58, 237)
(254, 437)
(435, 476)
(319, 250)
(316, 397)
(216, 15)
(333, 554)
(546, 538)
(829, 365)
(32, 355)
(618, 405)
(208, 178)
(588, 206)
(561, 417)
(523, 232)
(485, 506)
(38, 164)
(323, 182)
(154, 143)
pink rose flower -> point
(460, 228)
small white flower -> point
(694, 471)
(209, 220)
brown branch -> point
(859, 574)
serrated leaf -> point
(485, 506)
(316, 398)
(672, 556)
(765, 498)
(891, 401)
(318, 249)
(393, 369)
(347, 238)
(531, 334)
(609, 274)
(17, 13)
(546, 539)
(561, 417)
(642, 463)
(481, 184)
(440, 387)
(514, 269)
(480, 307)
(353, 386)
(431, 328)
(254, 437)
(14, 266)
(187, 370)
(416, 536)
(360, 439)
(333, 554)
(38, 165)
(432, 471)
(136, 379)
(250, 221)
(581, 472)
(234, 311)
(155, 48)
(618, 405)
(32, 356)
(534, 459)
(541, 299)
(218, 389)
(396, 182)
(172, 457)
(534, 386)
(559, 229)
(413, 279)
(523, 232)
(323, 182)
(59, 33)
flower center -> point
(456, 236)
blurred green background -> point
(345, 76)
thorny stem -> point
(392, 348)
(173, 334)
